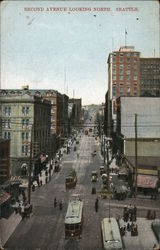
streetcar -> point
(74, 219)
(111, 238)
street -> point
(45, 229)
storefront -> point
(147, 184)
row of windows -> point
(127, 94)
(128, 77)
(7, 110)
(128, 59)
(127, 72)
(128, 54)
(121, 66)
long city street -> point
(45, 229)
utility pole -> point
(104, 150)
(135, 155)
(107, 167)
(30, 168)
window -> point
(128, 54)
(128, 77)
(27, 122)
(27, 135)
(9, 135)
(121, 78)
(128, 84)
(128, 59)
(135, 71)
(114, 71)
(135, 54)
(135, 93)
(135, 89)
(121, 91)
(114, 77)
(135, 66)
(121, 59)
(128, 72)
(23, 110)
(128, 89)
(5, 135)
(121, 72)
(22, 149)
(121, 66)
(26, 153)
(128, 66)
(9, 123)
(135, 77)
(121, 54)
(23, 122)
(23, 135)
(114, 66)
(114, 91)
(135, 59)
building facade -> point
(138, 121)
(65, 116)
(4, 160)
(123, 80)
(25, 120)
(76, 114)
(150, 76)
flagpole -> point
(125, 38)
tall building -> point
(150, 77)
(25, 118)
(76, 116)
(123, 80)
(65, 115)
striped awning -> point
(147, 181)
(4, 196)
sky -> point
(67, 49)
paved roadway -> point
(45, 229)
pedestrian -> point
(96, 205)
(60, 205)
(1, 247)
(49, 173)
(55, 202)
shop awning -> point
(4, 196)
(147, 181)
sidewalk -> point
(145, 238)
(7, 226)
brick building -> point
(150, 77)
(123, 80)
